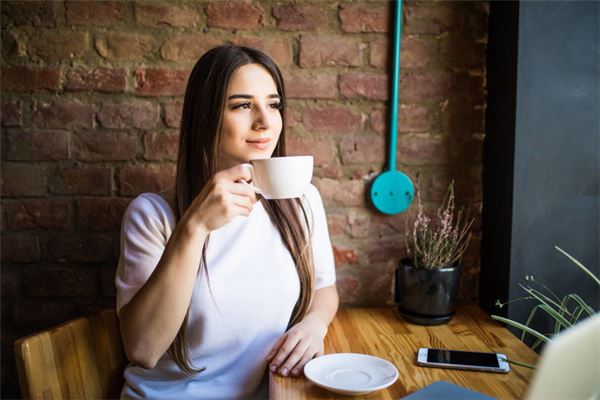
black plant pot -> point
(427, 296)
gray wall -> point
(556, 170)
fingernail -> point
(273, 367)
(284, 372)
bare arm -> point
(304, 341)
(151, 320)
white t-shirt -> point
(254, 287)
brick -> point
(379, 291)
(461, 119)
(37, 214)
(38, 145)
(278, 48)
(345, 193)
(333, 119)
(477, 22)
(187, 47)
(364, 85)
(160, 81)
(12, 45)
(11, 113)
(23, 180)
(348, 287)
(10, 285)
(63, 114)
(95, 13)
(344, 256)
(461, 52)
(80, 247)
(36, 13)
(384, 250)
(357, 224)
(243, 14)
(410, 119)
(20, 248)
(101, 214)
(107, 280)
(301, 85)
(322, 149)
(57, 282)
(134, 114)
(301, 17)
(428, 85)
(20, 78)
(362, 149)
(319, 50)
(170, 14)
(161, 146)
(433, 18)
(106, 146)
(136, 179)
(42, 314)
(172, 114)
(365, 18)
(425, 149)
(98, 79)
(414, 53)
(125, 46)
(56, 46)
(82, 181)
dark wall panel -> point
(556, 164)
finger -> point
(292, 360)
(276, 347)
(241, 171)
(242, 201)
(282, 354)
(299, 368)
(244, 189)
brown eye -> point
(241, 106)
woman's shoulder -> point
(152, 210)
(313, 195)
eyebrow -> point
(248, 96)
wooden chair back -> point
(82, 359)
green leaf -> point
(518, 325)
(521, 364)
(584, 269)
(557, 317)
(529, 319)
(582, 303)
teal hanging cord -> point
(395, 86)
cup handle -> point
(255, 188)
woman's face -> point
(251, 118)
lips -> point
(261, 144)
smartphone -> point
(490, 362)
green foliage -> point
(565, 311)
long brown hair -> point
(201, 120)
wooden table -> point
(383, 333)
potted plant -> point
(565, 311)
(428, 280)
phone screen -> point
(462, 358)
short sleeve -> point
(320, 241)
(146, 227)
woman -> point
(215, 285)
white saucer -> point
(351, 373)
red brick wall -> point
(91, 99)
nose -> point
(261, 119)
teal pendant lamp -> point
(392, 191)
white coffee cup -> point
(281, 177)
